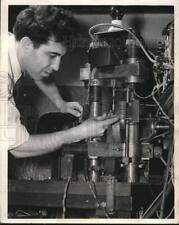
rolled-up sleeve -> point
(17, 132)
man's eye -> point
(52, 56)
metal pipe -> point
(127, 124)
(95, 110)
(133, 140)
(110, 200)
(127, 140)
(95, 98)
(113, 82)
(93, 169)
(133, 152)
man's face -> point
(42, 61)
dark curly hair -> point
(40, 22)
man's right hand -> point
(94, 127)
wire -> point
(153, 55)
(22, 212)
(93, 191)
(163, 160)
(166, 177)
(157, 136)
(154, 202)
(65, 196)
(172, 169)
(157, 214)
(156, 81)
(160, 135)
(170, 213)
(158, 86)
(151, 205)
(167, 99)
(160, 107)
(130, 32)
(143, 97)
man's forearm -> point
(45, 143)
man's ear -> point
(26, 44)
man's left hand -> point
(73, 108)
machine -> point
(129, 171)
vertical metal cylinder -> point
(126, 153)
(133, 140)
(110, 195)
(133, 152)
(93, 169)
(121, 109)
(95, 110)
(132, 172)
(95, 98)
(113, 83)
(131, 48)
(120, 136)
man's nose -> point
(56, 63)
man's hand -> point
(94, 127)
(73, 108)
(50, 90)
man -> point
(36, 47)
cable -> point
(159, 135)
(158, 86)
(22, 212)
(150, 138)
(92, 191)
(166, 177)
(130, 32)
(143, 97)
(166, 99)
(151, 205)
(65, 196)
(151, 210)
(163, 160)
(95, 195)
(172, 169)
(153, 55)
(156, 81)
(160, 107)
(170, 213)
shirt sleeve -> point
(17, 133)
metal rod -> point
(93, 169)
